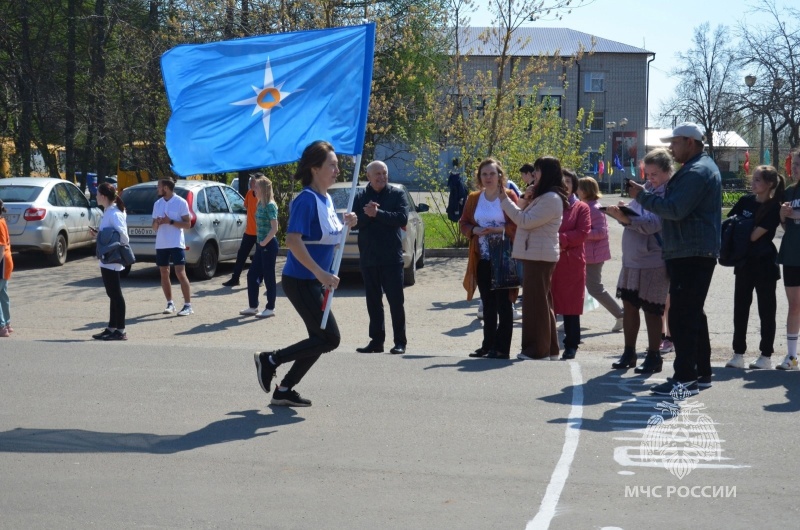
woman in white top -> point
(114, 217)
(482, 219)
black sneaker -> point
(677, 390)
(703, 382)
(102, 335)
(117, 335)
(233, 282)
(265, 370)
(289, 398)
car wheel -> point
(421, 260)
(124, 272)
(59, 255)
(410, 274)
(207, 267)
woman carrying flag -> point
(312, 234)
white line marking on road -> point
(547, 509)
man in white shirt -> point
(170, 216)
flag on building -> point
(259, 101)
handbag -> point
(506, 271)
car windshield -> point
(19, 193)
(140, 201)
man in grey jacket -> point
(691, 213)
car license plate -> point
(141, 232)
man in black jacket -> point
(382, 212)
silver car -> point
(413, 234)
(218, 222)
(48, 215)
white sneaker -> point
(554, 358)
(617, 325)
(186, 311)
(169, 309)
(789, 363)
(666, 346)
(737, 361)
(517, 315)
(266, 313)
(249, 311)
(523, 357)
(762, 363)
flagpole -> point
(337, 260)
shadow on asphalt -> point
(475, 365)
(604, 389)
(242, 425)
(765, 380)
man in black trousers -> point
(382, 212)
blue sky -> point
(665, 28)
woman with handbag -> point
(569, 277)
(481, 221)
(114, 218)
(538, 217)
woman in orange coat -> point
(6, 266)
(482, 219)
(569, 278)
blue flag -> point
(259, 101)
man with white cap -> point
(691, 213)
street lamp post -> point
(777, 84)
(611, 125)
(750, 81)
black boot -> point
(652, 363)
(628, 359)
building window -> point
(598, 121)
(551, 102)
(594, 82)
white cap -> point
(686, 129)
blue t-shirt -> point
(304, 220)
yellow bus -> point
(142, 162)
(11, 165)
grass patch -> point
(441, 232)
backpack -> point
(458, 195)
(735, 241)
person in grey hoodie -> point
(691, 213)
(643, 282)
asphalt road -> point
(171, 430)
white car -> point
(48, 215)
(218, 222)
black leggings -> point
(306, 297)
(116, 319)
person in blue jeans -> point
(263, 266)
(690, 211)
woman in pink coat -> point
(569, 278)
